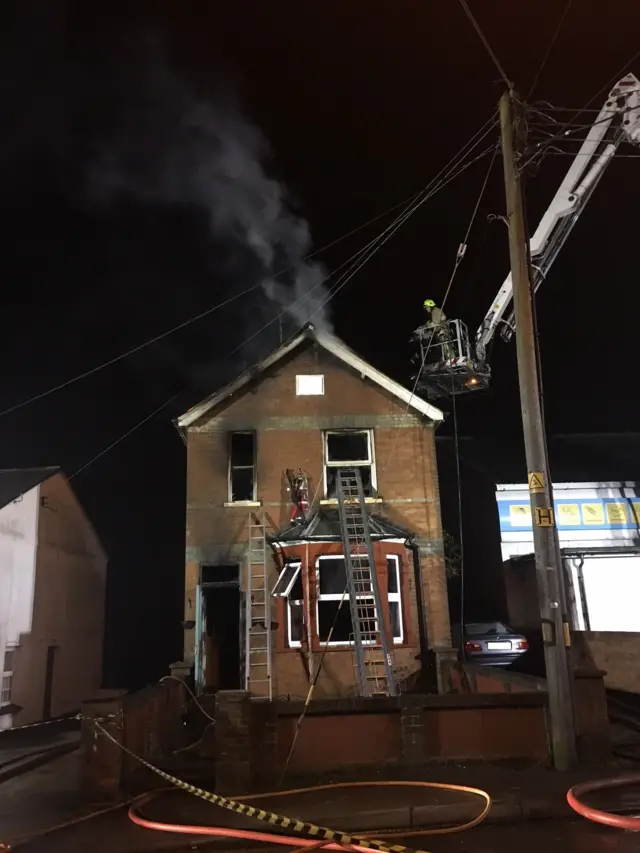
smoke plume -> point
(171, 148)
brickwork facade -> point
(289, 434)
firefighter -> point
(437, 323)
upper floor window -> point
(349, 448)
(310, 385)
(242, 467)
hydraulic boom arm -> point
(589, 165)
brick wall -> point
(289, 435)
(359, 738)
(147, 722)
(589, 700)
(617, 654)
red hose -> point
(300, 842)
(597, 815)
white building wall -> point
(597, 519)
(18, 546)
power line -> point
(373, 246)
(124, 435)
(460, 524)
(607, 85)
(415, 198)
(485, 42)
(458, 260)
(554, 38)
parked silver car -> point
(489, 643)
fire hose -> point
(575, 795)
(309, 835)
(328, 839)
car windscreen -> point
(480, 629)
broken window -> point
(349, 449)
(242, 454)
(331, 585)
(394, 592)
(289, 586)
(286, 580)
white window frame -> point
(396, 597)
(230, 469)
(292, 644)
(283, 592)
(370, 462)
(6, 682)
(314, 389)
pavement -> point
(25, 749)
(51, 794)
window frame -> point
(284, 593)
(396, 598)
(300, 377)
(351, 463)
(6, 679)
(291, 644)
(231, 468)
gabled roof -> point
(331, 344)
(15, 482)
(324, 526)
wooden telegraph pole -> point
(547, 556)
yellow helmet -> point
(429, 303)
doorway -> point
(48, 683)
(221, 636)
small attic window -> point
(310, 385)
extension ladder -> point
(258, 660)
(373, 658)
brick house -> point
(309, 406)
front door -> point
(200, 664)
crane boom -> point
(585, 172)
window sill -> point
(334, 501)
(242, 503)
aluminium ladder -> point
(258, 660)
(373, 658)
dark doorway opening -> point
(222, 668)
(48, 683)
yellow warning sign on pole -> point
(536, 482)
(544, 516)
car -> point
(489, 643)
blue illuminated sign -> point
(575, 514)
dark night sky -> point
(362, 102)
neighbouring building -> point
(52, 598)
(599, 534)
(311, 407)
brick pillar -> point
(591, 716)
(412, 729)
(102, 760)
(180, 669)
(264, 743)
(444, 658)
(233, 741)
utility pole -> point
(547, 557)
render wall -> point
(18, 538)
(68, 607)
(289, 435)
